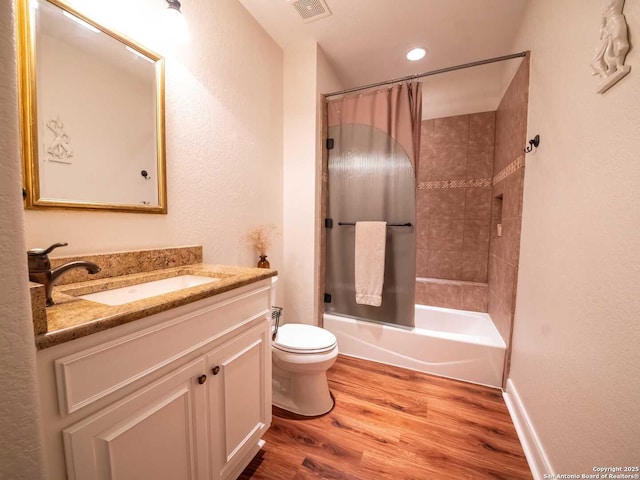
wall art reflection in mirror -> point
(92, 108)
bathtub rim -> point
(494, 341)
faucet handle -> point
(46, 251)
(54, 246)
(38, 257)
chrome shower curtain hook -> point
(533, 143)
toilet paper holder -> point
(275, 315)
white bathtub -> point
(450, 343)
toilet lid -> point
(300, 338)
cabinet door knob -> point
(202, 379)
(215, 370)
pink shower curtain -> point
(396, 110)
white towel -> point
(371, 238)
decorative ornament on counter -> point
(263, 263)
(608, 61)
(260, 238)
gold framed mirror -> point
(92, 114)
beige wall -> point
(307, 74)
(575, 356)
(224, 138)
(21, 455)
(328, 82)
(299, 183)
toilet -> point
(301, 355)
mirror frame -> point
(26, 33)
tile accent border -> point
(441, 184)
(513, 167)
(444, 281)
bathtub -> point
(450, 343)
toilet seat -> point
(302, 339)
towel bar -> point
(350, 224)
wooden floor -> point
(393, 423)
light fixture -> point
(416, 54)
(175, 21)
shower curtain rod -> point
(428, 74)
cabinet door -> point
(239, 399)
(159, 432)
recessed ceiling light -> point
(416, 54)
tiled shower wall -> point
(453, 215)
(508, 182)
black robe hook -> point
(534, 142)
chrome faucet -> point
(40, 270)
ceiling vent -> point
(311, 10)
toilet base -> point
(304, 394)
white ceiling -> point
(366, 41)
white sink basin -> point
(120, 296)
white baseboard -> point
(537, 458)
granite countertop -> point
(72, 317)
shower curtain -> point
(371, 175)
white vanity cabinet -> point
(156, 433)
(185, 395)
(239, 400)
